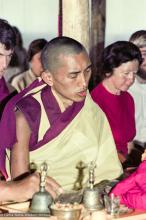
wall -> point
(34, 18)
(123, 17)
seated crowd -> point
(55, 119)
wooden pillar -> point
(76, 21)
(97, 38)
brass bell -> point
(41, 200)
(91, 197)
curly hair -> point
(116, 54)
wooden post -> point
(76, 21)
(97, 38)
(84, 20)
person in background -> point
(138, 92)
(19, 61)
(24, 189)
(58, 122)
(132, 190)
(120, 63)
(24, 79)
(7, 45)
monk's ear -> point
(47, 78)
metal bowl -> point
(66, 213)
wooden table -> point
(19, 212)
(136, 215)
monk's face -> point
(5, 57)
(71, 79)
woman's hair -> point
(116, 54)
(35, 47)
(19, 57)
(19, 40)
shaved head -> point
(56, 48)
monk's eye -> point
(73, 76)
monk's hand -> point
(53, 187)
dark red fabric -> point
(120, 112)
(4, 92)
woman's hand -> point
(122, 158)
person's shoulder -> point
(96, 89)
(19, 81)
(22, 121)
(10, 87)
(19, 76)
(127, 95)
(96, 92)
(129, 98)
(30, 108)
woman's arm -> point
(130, 146)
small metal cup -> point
(112, 205)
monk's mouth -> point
(83, 93)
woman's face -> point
(36, 64)
(124, 75)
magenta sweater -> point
(132, 190)
(119, 110)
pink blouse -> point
(132, 190)
(120, 111)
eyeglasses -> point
(128, 75)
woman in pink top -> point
(132, 190)
(120, 63)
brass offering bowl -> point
(66, 212)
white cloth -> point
(138, 92)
